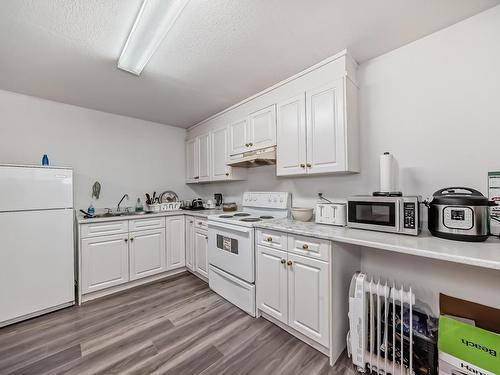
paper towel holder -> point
(387, 193)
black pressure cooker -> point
(459, 213)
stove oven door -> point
(230, 248)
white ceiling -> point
(218, 53)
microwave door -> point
(368, 214)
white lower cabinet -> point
(175, 242)
(104, 262)
(201, 253)
(294, 290)
(308, 297)
(147, 253)
(272, 288)
(190, 242)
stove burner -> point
(226, 216)
(241, 214)
(250, 219)
(267, 217)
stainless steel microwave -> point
(385, 214)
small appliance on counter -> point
(195, 204)
(391, 214)
(331, 214)
(209, 205)
(218, 199)
(459, 213)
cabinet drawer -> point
(201, 224)
(103, 228)
(271, 238)
(147, 223)
(309, 247)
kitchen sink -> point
(121, 213)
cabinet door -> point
(291, 137)
(201, 256)
(190, 242)
(104, 262)
(325, 129)
(192, 161)
(176, 249)
(262, 128)
(147, 253)
(220, 148)
(272, 294)
(204, 157)
(238, 136)
(308, 297)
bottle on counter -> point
(91, 209)
(45, 160)
(139, 207)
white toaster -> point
(331, 214)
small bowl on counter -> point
(302, 213)
(229, 207)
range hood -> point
(257, 158)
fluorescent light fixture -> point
(153, 22)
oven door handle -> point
(234, 228)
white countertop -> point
(480, 254)
(197, 213)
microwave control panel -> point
(410, 215)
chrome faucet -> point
(120, 202)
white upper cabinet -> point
(220, 146)
(311, 118)
(262, 128)
(207, 156)
(325, 129)
(254, 132)
(291, 133)
(204, 157)
(239, 136)
(192, 165)
(325, 139)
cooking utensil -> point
(148, 199)
(96, 190)
(459, 213)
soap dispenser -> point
(138, 206)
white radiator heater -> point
(375, 342)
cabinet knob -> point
(305, 246)
(269, 239)
(190, 221)
(309, 165)
(247, 145)
(250, 144)
(289, 262)
(132, 239)
(227, 174)
(302, 166)
(196, 177)
(126, 239)
(206, 237)
(283, 261)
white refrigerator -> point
(36, 241)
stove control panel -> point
(278, 200)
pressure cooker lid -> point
(459, 196)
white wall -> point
(434, 103)
(124, 154)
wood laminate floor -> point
(174, 326)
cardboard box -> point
(464, 348)
(494, 195)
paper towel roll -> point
(387, 178)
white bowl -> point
(302, 213)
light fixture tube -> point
(153, 22)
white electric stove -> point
(231, 252)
